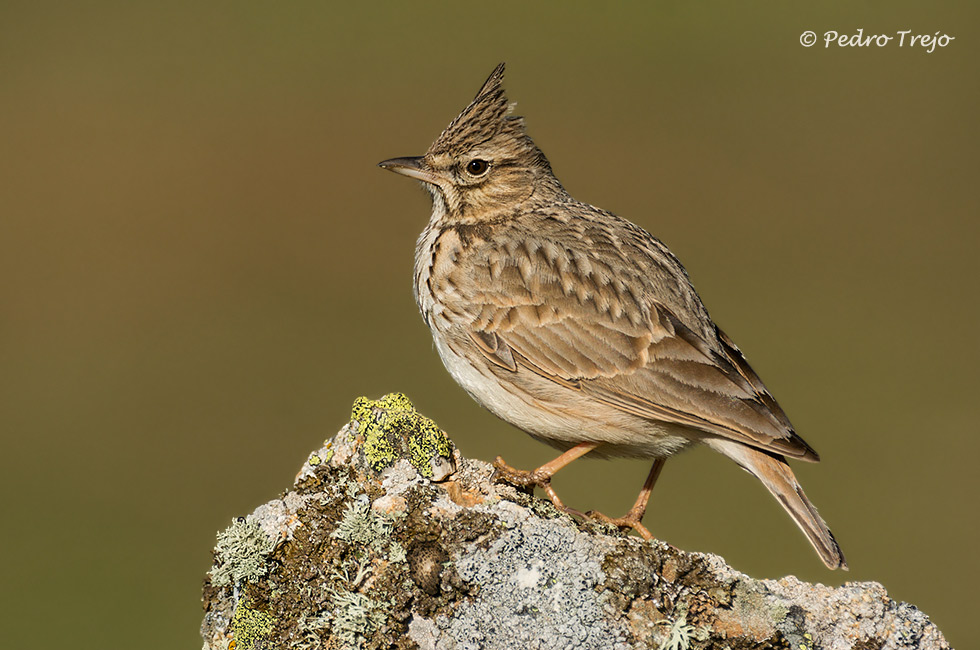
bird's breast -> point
(439, 276)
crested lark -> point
(578, 326)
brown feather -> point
(632, 354)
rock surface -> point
(389, 539)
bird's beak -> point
(411, 166)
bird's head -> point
(484, 164)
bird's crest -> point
(487, 116)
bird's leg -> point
(541, 477)
(633, 518)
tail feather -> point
(776, 475)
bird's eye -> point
(477, 167)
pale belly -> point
(559, 416)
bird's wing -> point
(582, 324)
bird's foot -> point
(537, 478)
(541, 477)
(519, 477)
(632, 519)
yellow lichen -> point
(391, 428)
(250, 626)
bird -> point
(579, 327)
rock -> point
(390, 539)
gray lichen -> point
(542, 573)
(361, 525)
(354, 617)
(679, 635)
(241, 553)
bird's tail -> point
(776, 475)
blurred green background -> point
(201, 267)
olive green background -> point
(201, 268)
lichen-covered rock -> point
(389, 539)
(385, 430)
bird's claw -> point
(631, 520)
(525, 479)
(518, 477)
